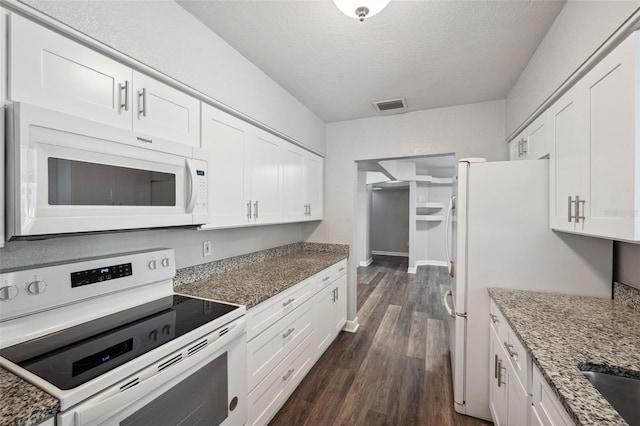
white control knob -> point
(8, 292)
(165, 262)
(152, 264)
(36, 287)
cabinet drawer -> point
(262, 316)
(518, 356)
(498, 322)
(330, 274)
(271, 346)
(546, 408)
(270, 394)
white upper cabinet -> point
(263, 177)
(313, 182)
(294, 205)
(225, 138)
(52, 71)
(594, 163)
(165, 112)
(533, 142)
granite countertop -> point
(561, 331)
(22, 403)
(258, 282)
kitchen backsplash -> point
(627, 264)
(198, 272)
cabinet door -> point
(613, 183)
(498, 395)
(324, 324)
(340, 305)
(51, 71)
(225, 138)
(537, 139)
(518, 400)
(570, 155)
(165, 112)
(264, 177)
(514, 149)
(314, 185)
(293, 191)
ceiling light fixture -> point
(359, 9)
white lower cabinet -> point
(518, 394)
(287, 334)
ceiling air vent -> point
(391, 104)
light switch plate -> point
(206, 248)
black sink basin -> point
(623, 393)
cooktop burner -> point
(73, 356)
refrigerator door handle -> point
(447, 227)
(451, 311)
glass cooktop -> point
(73, 356)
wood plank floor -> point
(395, 370)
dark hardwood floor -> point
(395, 370)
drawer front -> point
(330, 274)
(266, 399)
(270, 347)
(546, 406)
(518, 356)
(267, 313)
(498, 322)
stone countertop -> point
(22, 403)
(561, 331)
(257, 282)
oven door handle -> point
(192, 188)
(152, 383)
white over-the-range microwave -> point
(71, 175)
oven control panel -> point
(45, 287)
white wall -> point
(580, 28)
(162, 35)
(389, 227)
(363, 216)
(475, 130)
(627, 263)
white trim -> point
(431, 263)
(627, 27)
(411, 270)
(351, 326)
(390, 253)
(15, 6)
(367, 262)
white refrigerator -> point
(498, 235)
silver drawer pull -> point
(494, 319)
(288, 374)
(512, 352)
(288, 302)
(341, 269)
(501, 374)
(288, 333)
(124, 104)
(325, 279)
(143, 102)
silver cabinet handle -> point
(341, 269)
(288, 374)
(306, 209)
(255, 208)
(288, 302)
(143, 102)
(494, 319)
(571, 202)
(325, 279)
(500, 374)
(249, 210)
(333, 299)
(579, 202)
(510, 350)
(288, 333)
(520, 148)
(337, 293)
(125, 103)
(525, 147)
(309, 209)
(495, 367)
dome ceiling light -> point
(359, 9)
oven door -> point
(71, 175)
(208, 387)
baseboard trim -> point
(431, 263)
(351, 326)
(411, 270)
(367, 262)
(390, 253)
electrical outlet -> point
(206, 248)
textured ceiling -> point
(433, 53)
